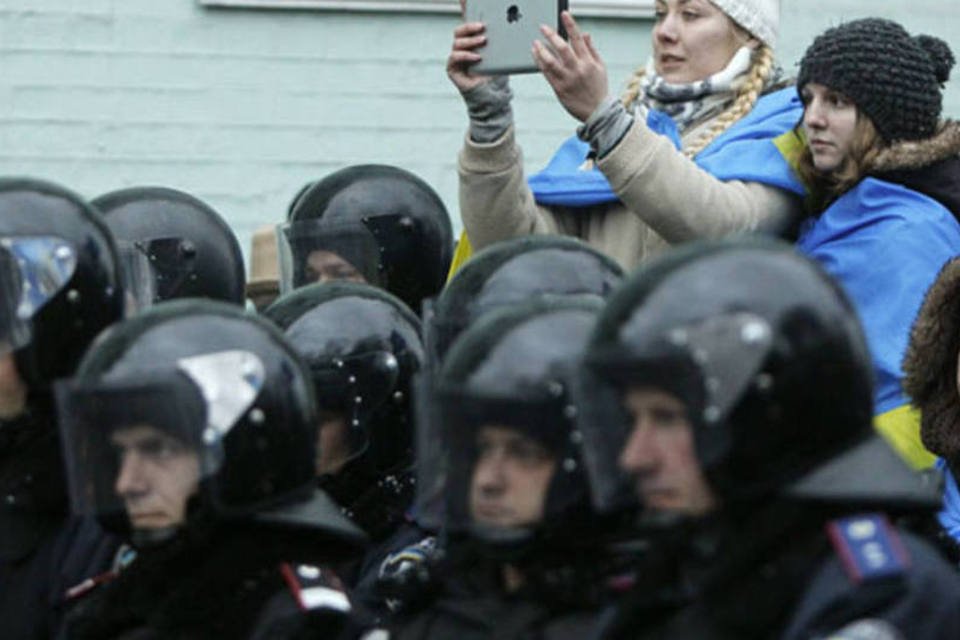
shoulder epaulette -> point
(88, 585)
(315, 588)
(122, 559)
(868, 546)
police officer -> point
(728, 388)
(190, 431)
(502, 475)
(60, 286)
(369, 223)
(363, 347)
(173, 245)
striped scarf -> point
(692, 103)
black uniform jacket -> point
(808, 583)
(470, 604)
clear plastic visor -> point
(138, 276)
(396, 235)
(716, 360)
(138, 449)
(359, 383)
(33, 270)
(478, 473)
(173, 263)
(317, 251)
(355, 387)
(134, 451)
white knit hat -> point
(760, 17)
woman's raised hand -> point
(574, 69)
(466, 38)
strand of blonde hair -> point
(632, 92)
(745, 100)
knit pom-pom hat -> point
(895, 79)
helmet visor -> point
(398, 235)
(133, 450)
(138, 276)
(359, 383)
(356, 387)
(173, 262)
(431, 453)
(484, 464)
(707, 365)
(139, 448)
(318, 251)
(33, 270)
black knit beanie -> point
(895, 79)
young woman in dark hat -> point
(884, 175)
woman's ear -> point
(746, 38)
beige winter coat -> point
(664, 199)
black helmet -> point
(224, 384)
(388, 224)
(514, 271)
(363, 347)
(768, 356)
(190, 249)
(61, 281)
(509, 370)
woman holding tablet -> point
(691, 149)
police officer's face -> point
(13, 390)
(510, 479)
(327, 266)
(158, 474)
(661, 457)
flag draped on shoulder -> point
(885, 245)
(746, 151)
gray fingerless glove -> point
(606, 126)
(488, 106)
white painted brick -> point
(243, 107)
(66, 30)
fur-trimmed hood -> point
(930, 166)
(918, 154)
(930, 365)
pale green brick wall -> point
(243, 107)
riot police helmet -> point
(61, 281)
(189, 249)
(363, 347)
(216, 394)
(373, 223)
(499, 458)
(515, 271)
(767, 355)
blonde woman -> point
(687, 152)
